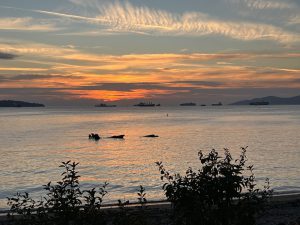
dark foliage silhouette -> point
(222, 192)
(64, 203)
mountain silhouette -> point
(11, 103)
(272, 100)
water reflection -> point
(33, 143)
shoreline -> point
(281, 209)
(277, 198)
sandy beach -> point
(282, 210)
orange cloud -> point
(106, 95)
(46, 66)
(22, 69)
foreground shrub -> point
(222, 192)
(64, 203)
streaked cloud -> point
(180, 77)
(33, 77)
(26, 24)
(295, 19)
(34, 49)
(282, 13)
(125, 17)
(265, 4)
(192, 50)
(112, 62)
(113, 95)
(4, 55)
(21, 69)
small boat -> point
(145, 104)
(105, 105)
(203, 105)
(259, 103)
(117, 136)
(217, 104)
(157, 104)
(151, 136)
(188, 104)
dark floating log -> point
(95, 137)
(151, 136)
(117, 136)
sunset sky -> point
(68, 52)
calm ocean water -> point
(33, 142)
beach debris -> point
(151, 135)
(117, 136)
(95, 137)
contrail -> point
(89, 19)
(58, 14)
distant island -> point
(270, 100)
(11, 103)
(188, 104)
(259, 103)
(217, 104)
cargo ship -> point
(145, 104)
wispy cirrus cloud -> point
(264, 4)
(26, 24)
(51, 13)
(125, 17)
(272, 11)
(35, 49)
(295, 19)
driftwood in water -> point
(151, 135)
(117, 136)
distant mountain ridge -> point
(11, 103)
(272, 100)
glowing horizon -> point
(98, 50)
